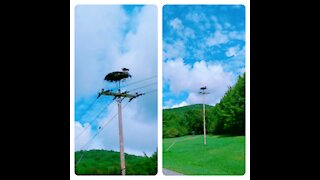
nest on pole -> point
(117, 76)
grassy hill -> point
(103, 162)
(222, 155)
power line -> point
(150, 91)
(95, 135)
(140, 81)
(136, 82)
(103, 126)
(143, 86)
(97, 116)
(89, 107)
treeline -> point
(226, 118)
(103, 162)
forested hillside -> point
(103, 162)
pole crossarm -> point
(202, 92)
(120, 94)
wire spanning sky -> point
(203, 45)
(109, 38)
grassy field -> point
(221, 156)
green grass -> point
(221, 155)
(103, 162)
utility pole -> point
(122, 160)
(204, 114)
(117, 77)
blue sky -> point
(203, 45)
(108, 38)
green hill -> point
(226, 117)
(185, 108)
(103, 162)
(186, 120)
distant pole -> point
(204, 114)
(204, 124)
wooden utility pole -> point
(122, 160)
(204, 114)
(117, 77)
(204, 124)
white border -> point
(159, 4)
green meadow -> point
(222, 155)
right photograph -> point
(204, 76)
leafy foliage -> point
(226, 117)
(229, 113)
(102, 162)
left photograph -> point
(115, 81)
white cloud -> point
(237, 35)
(183, 32)
(196, 17)
(176, 23)
(110, 47)
(183, 103)
(188, 33)
(96, 39)
(82, 135)
(168, 102)
(217, 38)
(173, 51)
(222, 33)
(200, 19)
(184, 77)
(233, 51)
(139, 136)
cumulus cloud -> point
(83, 134)
(183, 103)
(202, 46)
(96, 45)
(139, 136)
(108, 39)
(185, 77)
